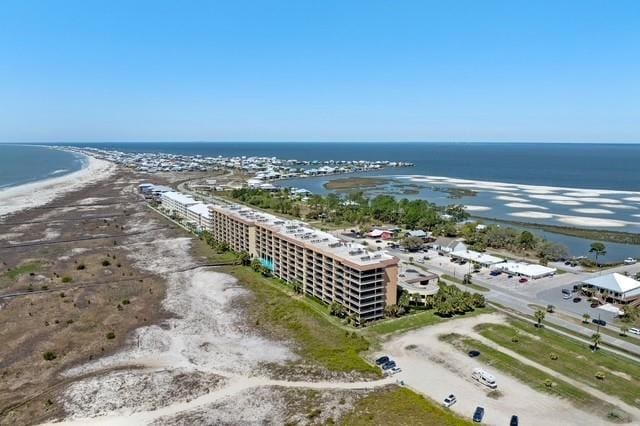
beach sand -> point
(35, 194)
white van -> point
(484, 378)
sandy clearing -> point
(525, 206)
(436, 369)
(532, 215)
(592, 211)
(38, 193)
(473, 208)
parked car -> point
(594, 304)
(630, 261)
(514, 421)
(478, 415)
(378, 241)
(388, 365)
(523, 280)
(494, 273)
(382, 360)
(635, 331)
(577, 299)
(394, 370)
(474, 353)
(599, 322)
(449, 401)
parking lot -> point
(554, 297)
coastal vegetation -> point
(499, 237)
(574, 358)
(355, 183)
(587, 234)
(401, 406)
(356, 209)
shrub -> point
(80, 267)
(49, 356)
(553, 356)
(600, 375)
(67, 279)
(63, 295)
(106, 262)
(111, 335)
(548, 383)
(125, 302)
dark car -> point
(577, 299)
(388, 365)
(514, 421)
(522, 280)
(478, 414)
(382, 360)
(474, 353)
(599, 322)
(495, 273)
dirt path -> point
(434, 368)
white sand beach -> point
(38, 193)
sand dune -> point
(532, 215)
(525, 206)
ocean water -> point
(20, 164)
(603, 166)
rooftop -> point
(614, 282)
(180, 198)
(304, 234)
(201, 209)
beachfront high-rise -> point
(324, 266)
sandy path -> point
(434, 368)
(233, 386)
(38, 193)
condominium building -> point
(177, 203)
(326, 267)
(199, 215)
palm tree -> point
(539, 316)
(585, 318)
(596, 338)
(623, 330)
(598, 249)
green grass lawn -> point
(575, 359)
(399, 406)
(417, 320)
(316, 338)
(25, 268)
(533, 377)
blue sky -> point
(320, 70)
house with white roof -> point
(614, 288)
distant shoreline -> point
(33, 194)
